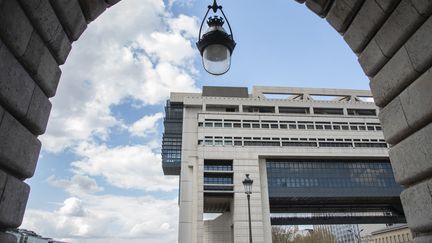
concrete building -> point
(316, 150)
(27, 236)
(343, 233)
(394, 234)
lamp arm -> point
(229, 26)
(202, 23)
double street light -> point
(247, 183)
(216, 45)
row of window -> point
(218, 168)
(292, 142)
(328, 164)
(172, 138)
(326, 173)
(218, 180)
(213, 176)
(171, 148)
(328, 182)
(302, 125)
(300, 110)
(218, 188)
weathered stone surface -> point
(417, 101)
(49, 28)
(395, 126)
(419, 47)
(398, 28)
(112, 2)
(342, 13)
(387, 5)
(1, 113)
(38, 112)
(372, 59)
(397, 74)
(16, 86)
(71, 17)
(424, 7)
(368, 20)
(13, 201)
(15, 28)
(7, 238)
(320, 7)
(19, 148)
(423, 239)
(93, 8)
(411, 158)
(417, 204)
(41, 65)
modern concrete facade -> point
(392, 40)
(225, 135)
(395, 234)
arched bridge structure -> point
(392, 40)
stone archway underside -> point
(392, 39)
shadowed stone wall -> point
(392, 39)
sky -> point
(99, 176)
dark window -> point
(361, 112)
(294, 110)
(230, 110)
(320, 177)
(328, 111)
(265, 126)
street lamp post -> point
(357, 234)
(216, 45)
(247, 183)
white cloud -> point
(185, 25)
(128, 167)
(72, 207)
(136, 50)
(77, 185)
(146, 125)
(108, 219)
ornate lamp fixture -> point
(216, 45)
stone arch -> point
(392, 39)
